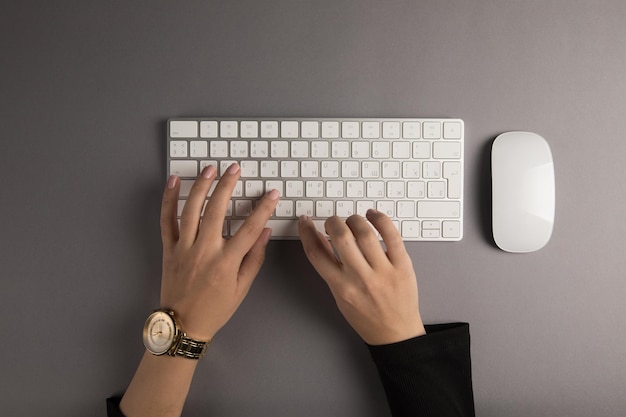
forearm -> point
(159, 387)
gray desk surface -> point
(86, 88)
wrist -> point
(163, 334)
(392, 334)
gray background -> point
(86, 88)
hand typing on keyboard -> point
(206, 277)
(376, 291)
(409, 169)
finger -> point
(318, 250)
(396, 251)
(367, 241)
(169, 209)
(342, 239)
(253, 261)
(215, 209)
(251, 229)
(190, 217)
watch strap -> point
(190, 348)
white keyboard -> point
(408, 168)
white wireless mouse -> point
(522, 175)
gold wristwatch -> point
(163, 335)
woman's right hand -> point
(376, 291)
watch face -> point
(159, 333)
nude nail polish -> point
(233, 169)
(208, 171)
(171, 181)
(273, 194)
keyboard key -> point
(269, 130)
(411, 130)
(309, 169)
(219, 149)
(330, 169)
(289, 129)
(421, 150)
(344, 208)
(447, 150)
(208, 129)
(279, 149)
(371, 130)
(401, 150)
(360, 150)
(330, 130)
(277, 185)
(319, 149)
(355, 189)
(249, 129)
(304, 208)
(391, 130)
(340, 149)
(442, 209)
(451, 229)
(285, 228)
(410, 228)
(184, 168)
(238, 149)
(432, 130)
(370, 169)
(284, 208)
(295, 189)
(183, 129)
(198, 149)
(254, 188)
(228, 129)
(299, 149)
(380, 150)
(350, 130)
(178, 148)
(436, 189)
(324, 209)
(405, 209)
(386, 206)
(310, 129)
(452, 130)
(452, 172)
(269, 169)
(431, 169)
(259, 149)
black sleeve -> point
(425, 376)
(428, 375)
(113, 407)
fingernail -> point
(303, 218)
(372, 211)
(208, 171)
(233, 169)
(273, 194)
(171, 181)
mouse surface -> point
(522, 175)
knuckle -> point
(186, 222)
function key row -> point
(291, 129)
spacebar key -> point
(289, 228)
(439, 209)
